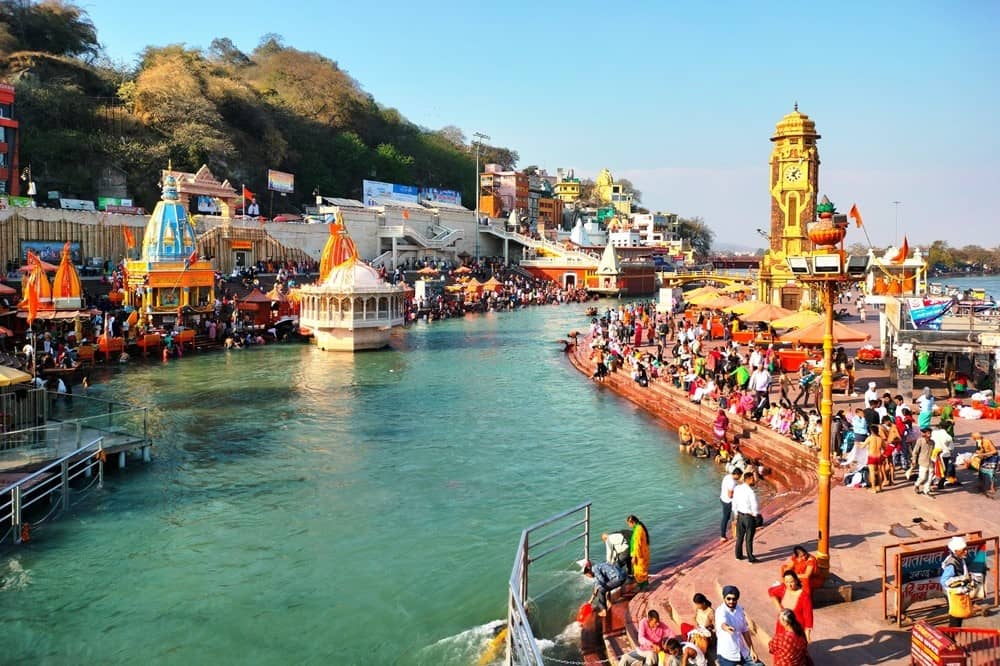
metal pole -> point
(825, 411)
(478, 138)
(586, 535)
(64, 473)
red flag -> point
(191, 259)
(247, 194)
(856, 215)
(129, 237)
(903, 252)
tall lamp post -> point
(478, 138)
(827, 269)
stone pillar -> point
(121, 460)
(904, 366)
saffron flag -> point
(31, 286)
(191, 259)
(903, 252)
(247, 194)
(129, 237)
(856, 215)
(406, 214)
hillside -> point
(241, 113)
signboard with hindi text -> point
(279, 181)
(434, 195)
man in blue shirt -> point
(607, 577)
(955, 576)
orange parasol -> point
(767, 312)
(462, 270)
(813, 334)
(427, 270)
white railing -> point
(440, 236)
(52, 482)
(522, 648)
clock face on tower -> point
(794, 174)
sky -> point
(681, 98)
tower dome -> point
(169, 233)
(795, 123)
(66, 288)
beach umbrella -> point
(462, 270)
(737, 289)
(744, 308)
(813, 334)
(10, 376)
(766, 312)
(797, 320)
(713, 301)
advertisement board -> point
(50, 251)
(375, 190)
(279, 181)
(77, 204)
(433, 194)
(104, 202)
(208, 205)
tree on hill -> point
(698, 235)
(51, 26)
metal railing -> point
(380, 260)
(439, 236)
(982, 646)
(49, 482)
(90, 415)
(522, 648)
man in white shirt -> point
(729, 482)
(870, 394)
(760, 382)
(733, 642)
(746, 510)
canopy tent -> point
(813, 334)
(737, 289)
(10, 376)
(797, 320)
(766, 312)
(493, 284)
(708, 289)
(427, 270)
(462, 270)
(473, 284)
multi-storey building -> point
(9, 168)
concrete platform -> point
(849, 633)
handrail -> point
(522, 648)
(44, 484)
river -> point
(310, 507)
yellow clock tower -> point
(794, 182)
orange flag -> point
(903, 252)
(129, 237)
(856, 215)
(406, 214)
(31, 287)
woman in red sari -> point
(789, 647)
(793, 596)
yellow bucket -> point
(959, 603)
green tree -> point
(51, 26)
(940, 254)
(698, 235)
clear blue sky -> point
(681, 98)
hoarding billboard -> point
(279, 181)
(374, 190)
(442, 196)
(50, 251)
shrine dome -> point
(795, 123)
(353, 274)
(170, 232)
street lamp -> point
(827, 268)
(478, 138)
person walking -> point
(956, 582)
(729, 482)
(746, 509)
(734, 644)
(806, 379)
(922, 459)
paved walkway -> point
(861, 523)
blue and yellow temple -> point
(169, 281)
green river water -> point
(305, 507)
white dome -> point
(353, 275)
